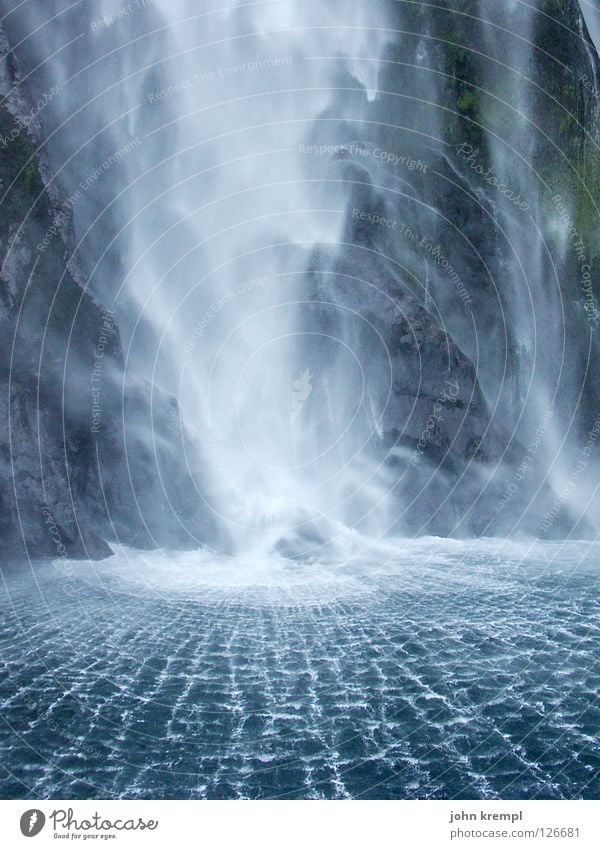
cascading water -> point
(251, 84)
(254, 203)
(211, 220)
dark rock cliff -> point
(71, 479)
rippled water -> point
(428, 669)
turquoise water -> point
(421, 669)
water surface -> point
(421, 669)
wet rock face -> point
(70, 479)
(450, 462)
(46, 323)
(42, 504)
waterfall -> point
(212, 129)
(266, 193)
(230, 120)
